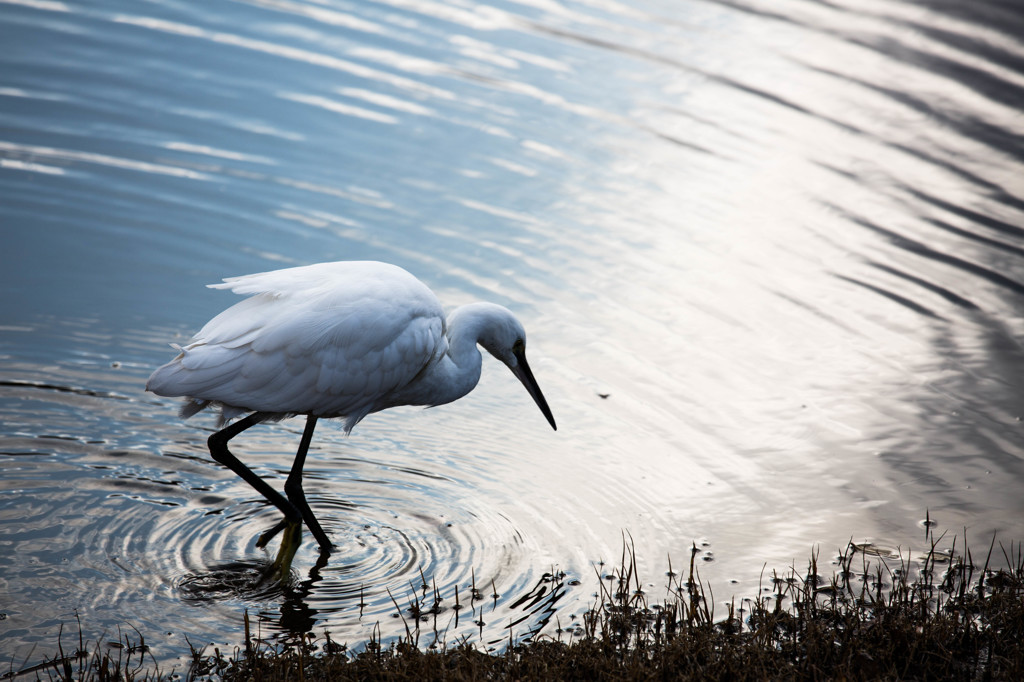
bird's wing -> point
(330, 343)
(342, 277)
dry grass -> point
(937, 617)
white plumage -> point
(342, 339)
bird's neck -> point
(453, 374)
(459, 369)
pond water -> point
(770, 260)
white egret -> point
(341, 339)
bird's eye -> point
(519, 346)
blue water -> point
(769, 259)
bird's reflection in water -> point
(262, 580)
(426, 611)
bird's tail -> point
(191, 406)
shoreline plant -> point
(880, 616)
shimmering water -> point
(769, 258)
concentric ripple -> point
(167, 539)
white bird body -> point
(342, 339)
(332, 340)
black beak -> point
(523, 373)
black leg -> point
(293, 488)
(218, 443)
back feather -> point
(332, 339)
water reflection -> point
(425, 608)
(771, 257)
(79, 540)
(262, 582)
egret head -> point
(503, 336)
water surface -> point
(769, 259)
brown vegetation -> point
(953, 620)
